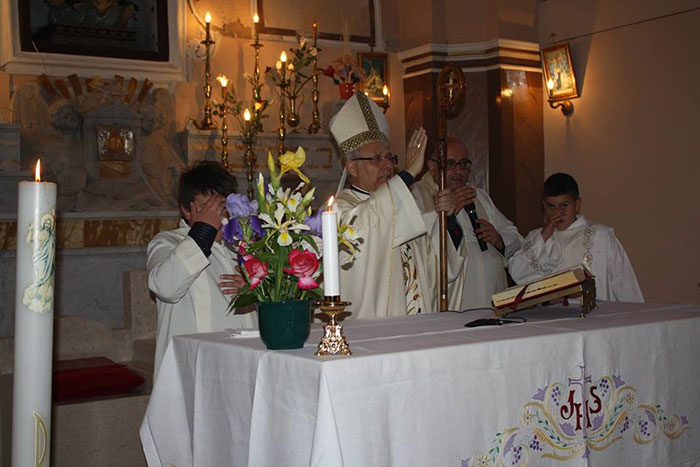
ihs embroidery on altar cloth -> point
(568, 420)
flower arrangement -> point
(276, 237)
(345, 70)
(297, 77)
(234, 106)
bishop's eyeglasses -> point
(377, 159)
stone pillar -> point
(516, 145)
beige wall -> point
(633, 140)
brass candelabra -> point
(223, 110)
(248, 131)
(257, 97)
(207, 123)
(315, 115)
(283, 87)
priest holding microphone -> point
(489, 240)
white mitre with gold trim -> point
(360, 121)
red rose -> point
(242, 251)
(303, 265)
(329, 72)
(256, 270)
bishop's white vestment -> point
(483, 274)
(583, 242)
(185, 283)
(392, 274)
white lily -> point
(268, 223)
(293, 202)
(350, 234)
(279, 213)
(284, 239)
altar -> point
(618, 387)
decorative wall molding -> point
(472, 57)
(14, 60)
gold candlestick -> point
(257, 97)
(256, 20)
(315, 115)
(207, 122)
(283, 88)
(333, 341)
(249, 157)
(223, 80)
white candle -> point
(256, 20)
(331, 272)
(36, 251)
(207, 22)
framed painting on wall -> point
(559, 73)
(102, 28)
(376, 74)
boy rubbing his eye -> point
(190, 272)
(567, 239)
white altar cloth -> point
(620, 387)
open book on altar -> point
(568, 284)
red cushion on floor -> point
(80, 383)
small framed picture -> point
(376, 74)
(559, 73)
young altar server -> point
(394, 272)
(568, 239)
(190, 271)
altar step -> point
(102, 432)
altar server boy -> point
(190, 272)
(568, 239)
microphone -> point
(471, 212)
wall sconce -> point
(384, 103)
(559, 77)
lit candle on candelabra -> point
(207, 22)
(34, 304)
(246, 118)
(315, 32)
(283, 60)
(223, 81)
(256, 20)
(331, 273)
(385, 92)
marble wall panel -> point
(139, 305)
(95, 233)
(114, 169)
(89, 284)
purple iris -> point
(256, 226)
(314, 223)
(232, 231)
(240, 206)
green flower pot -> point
(284, 325)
